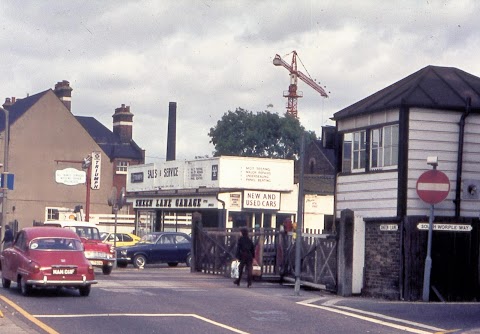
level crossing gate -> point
(214, 249)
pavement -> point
(8, 324)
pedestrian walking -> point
(8, 237)
(245, 254)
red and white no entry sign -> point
(433, 186)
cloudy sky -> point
(213, 56)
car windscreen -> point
(87, 232)
(62, 244)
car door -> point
(164, 249)
(183, 247)
(16, 256)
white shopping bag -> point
(234, 268)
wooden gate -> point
(214, 249)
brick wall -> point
(382, 260)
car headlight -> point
(123, 252)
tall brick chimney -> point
(64, 93)
(172, 131)
(123, 123)
(8, 103)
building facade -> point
(47, 147)
(220, 192)
(384, 142)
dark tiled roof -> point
(108, 141)
(20, 106)
(317, 184)
(328, 153)
(432, 87)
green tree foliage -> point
(260, 134)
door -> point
(164, 250)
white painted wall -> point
(368, 195)
(432, 133)
(358, 254)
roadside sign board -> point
(433, 186)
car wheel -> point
(25, 288)
(188, 262)
(139, 261)
(122, 264)
(106, 270)
(84, 290)
(172, 264)
(6, 283)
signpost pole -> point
(6, 140)
(428, 259)
(432, 187)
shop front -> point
(218, 192)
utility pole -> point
(5, 171)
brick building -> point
(47, 146)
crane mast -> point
(293, 94)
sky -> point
(212, 56)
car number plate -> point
(63, 271)
(96, 263)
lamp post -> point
(5, 171)
(87, 165)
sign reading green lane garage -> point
(187, 202)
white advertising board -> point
(222, 172)
(70, 176)
(256, 173)
(142, 177)
(95, 170)
(261, 200)
(201, 173)
(171, 175)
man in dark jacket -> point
(8, 237)
(245, 254)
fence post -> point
(345, 253)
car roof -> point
(64, 223)
(43, 231)
(168, 233)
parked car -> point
(47, 257)
(100, 254)
(157, 247)
(123, 239)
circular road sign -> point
(433, 186)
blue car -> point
(157, 247)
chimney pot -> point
(64, 93)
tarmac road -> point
(154, 299)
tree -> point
(260, 134)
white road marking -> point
(196, 316)
(331, 307)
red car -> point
(47, 257)
(100, 254)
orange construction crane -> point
(292, 94)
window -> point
(354, 149)
(384, 147)
(122, 166)
(52, 214)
